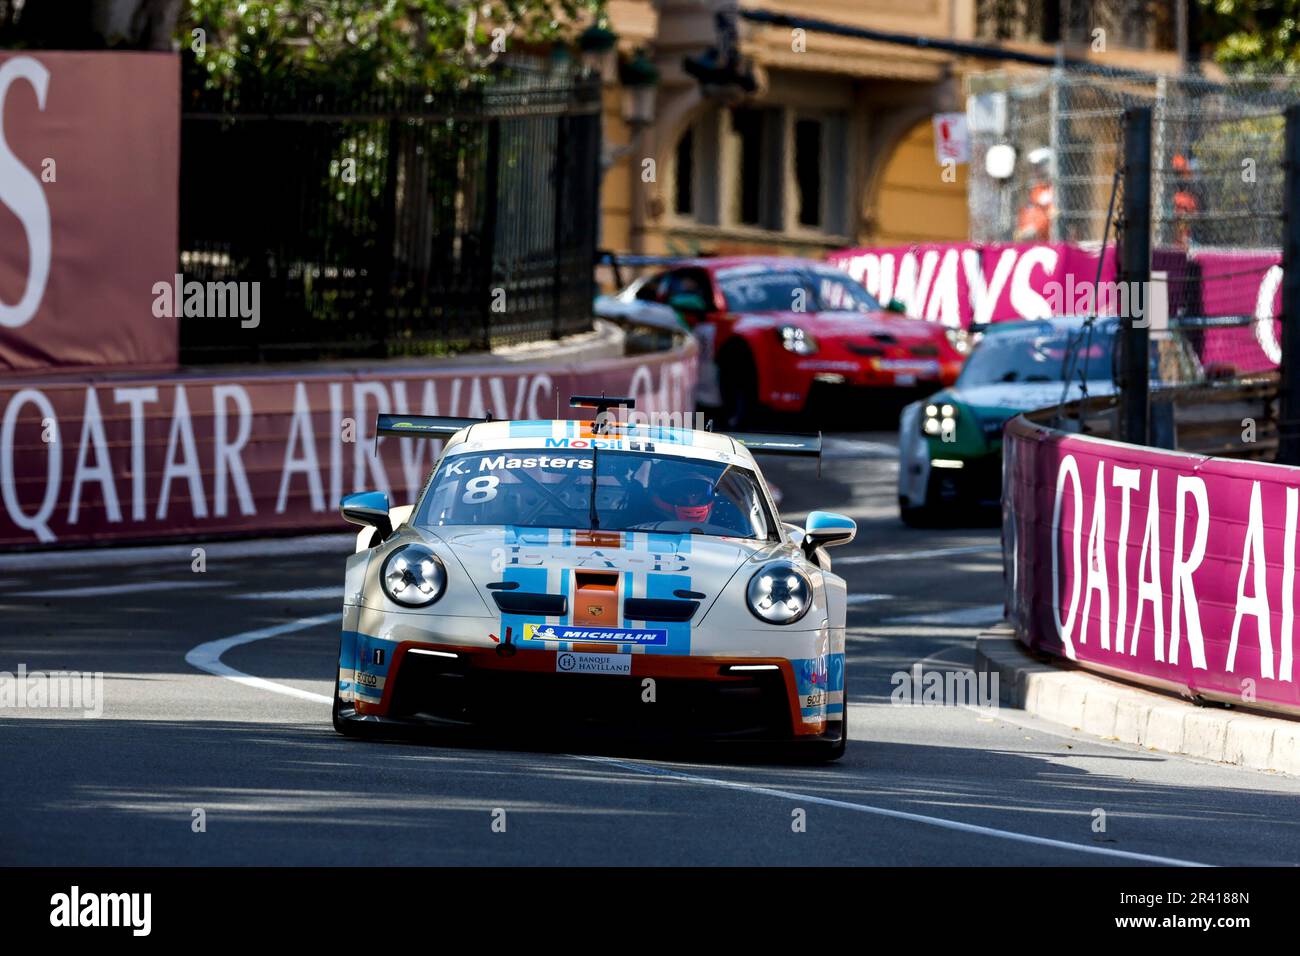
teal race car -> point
(950, 444)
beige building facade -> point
(836, 147)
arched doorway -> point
(912, 202)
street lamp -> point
(640, 79)
(597, 45)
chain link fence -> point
(1048, 165)
(1216, 163)
(1044, 149)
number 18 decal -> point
(480, 490)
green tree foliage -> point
(368, 44)
(1253, 36)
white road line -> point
(207, 657)
(867, 598)
(330, 543)
(333, 592)
(913, 555)
(892, 814)
(138, 587)
(962, 616)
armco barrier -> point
(1173, 570)
(188, 454)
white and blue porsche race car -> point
(594, 574)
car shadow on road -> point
(112, 792)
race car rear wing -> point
(444, 426)
(423, 426)
(601, 403)
(763, 443)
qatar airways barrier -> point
(122, 459)
(1175, 570)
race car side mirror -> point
(825, 529)
(368, 509)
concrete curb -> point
(1105, 708)
(605, 340)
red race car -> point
(774, 329)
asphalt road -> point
(276, 785)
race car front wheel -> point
(924, 515)
(349, 728)
(738, 385)
(836, 750)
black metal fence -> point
(400, 223)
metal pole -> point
(1288, 450)
(558, 251)
(1135, 270)
(487, 251)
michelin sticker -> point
(595, 635)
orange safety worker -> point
(1034, 222)
(1186, 204)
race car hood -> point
(541, 559)
(853, 324)
(1002, 400)
(984, 409)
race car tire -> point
(827, 751)
(818, 751)
(350, 728)
(915, 517)
(738, 385)
(836, 750)
(925, 515)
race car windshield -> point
(1005, 357)
(551, 488)
(752, 290)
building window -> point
(768, 168)
(684, 175)
(748, 127)
(758, 148)
(808, 171)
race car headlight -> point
(939, 419)
(779, 594)
(413, 576)
(796, 340)
(960, 340)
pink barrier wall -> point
(963, 283)
(1175, 570)
(178, 455)
(958, 283)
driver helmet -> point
(686, 496)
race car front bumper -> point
(676, 697)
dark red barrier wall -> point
(179, 455)
(88, 208)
